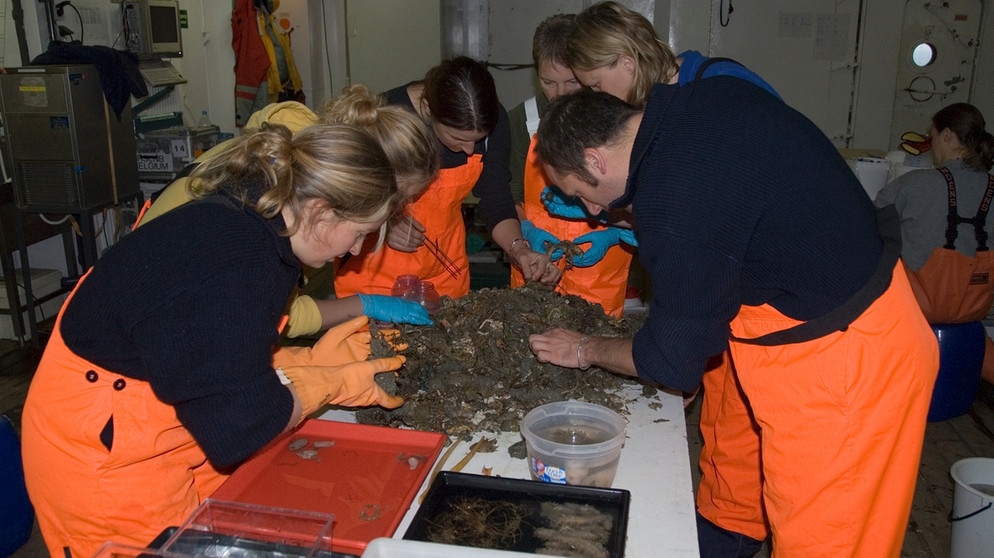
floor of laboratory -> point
(970, 435)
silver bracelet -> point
(510, 249)
(579, 346)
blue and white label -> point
(548, 473)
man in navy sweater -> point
(760, 240)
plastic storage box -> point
(522, 516)
(163, 153)
(219, 528)
(366, 475)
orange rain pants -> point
(820, 442)
(439, 209)
(603, 283)
(84, 495)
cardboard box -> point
(43, 282)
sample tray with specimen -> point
(522, 515)
(367, 476)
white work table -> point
(654, 467)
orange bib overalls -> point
(603, 283)
(84, 494)
(439, 209)
(823, 437)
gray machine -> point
(68, 152)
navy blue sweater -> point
(738, 200)
(190, 303)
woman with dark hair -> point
(962, 153)
(459, 100)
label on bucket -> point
(548, 473)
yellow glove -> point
(351, 385)
(341, 344)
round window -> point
(923, 54)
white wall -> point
(397, 40)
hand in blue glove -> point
(571, 208)
(538, 237)
(600, 242)
(393, 309)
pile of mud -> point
(472, 371)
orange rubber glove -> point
(342, 344)
(350, 385)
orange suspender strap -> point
(141, 213)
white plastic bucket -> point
(972, 517)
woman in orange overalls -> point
(158, 377)
(459, 99)
(605, 280)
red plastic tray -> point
(367, 478)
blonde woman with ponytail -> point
(412, 150)
(158, 378)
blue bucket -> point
(16, 514)
(961, 357)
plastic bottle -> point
(204, 120)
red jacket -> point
(251, 59)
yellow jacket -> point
(305, 318)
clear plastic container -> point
(428, 297)
(410, 287)
(573, 442)
(405, 286)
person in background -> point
(605, 279)
(410, 145)
(459, 100)
(963, 153)
(158, 377)
(833, 359)
(616, 50)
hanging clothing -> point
(603, 283)
(261, 50)
(282, 76)
(251, 60)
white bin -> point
(973, 508)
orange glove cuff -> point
(350, 385)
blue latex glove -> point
(600, 242)
(393, 309)
(571, 208)
(538, 237)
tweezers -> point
(450, 266)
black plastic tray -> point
(449, 487)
